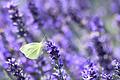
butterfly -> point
(32, 50)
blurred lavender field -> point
(81, 39)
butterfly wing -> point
(32, 50)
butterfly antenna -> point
(45, 36)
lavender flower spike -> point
(54, 53)
(15, 69)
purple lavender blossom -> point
(90, 72)
(54, 53)
(15, 69)
(60, 73)
(18, 21)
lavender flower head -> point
(52, 50)
(15, 69)
(90, 72)
(54, 53)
